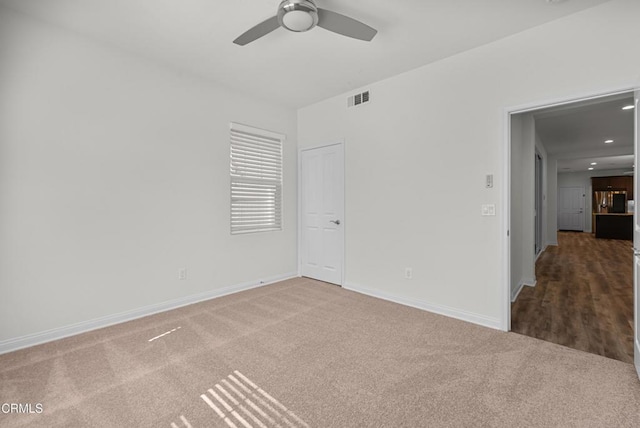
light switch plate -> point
(489, 181)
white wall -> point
(113, 175)
(522, 230)
(516, 219)
(545, 190)
(417, 155)
(552, 200)
(583, 179)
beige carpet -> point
(302, 353)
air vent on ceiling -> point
(358, 99)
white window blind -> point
(256, 179)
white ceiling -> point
(575, 133)
(296, 69)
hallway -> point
(583, 298)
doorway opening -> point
(571, 288)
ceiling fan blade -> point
(262, 29)
(344, 25)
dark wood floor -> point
(583, 298)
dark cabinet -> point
(618, 182)
(614, 226)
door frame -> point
(505, 295)
(539, 204)
(340, 144)
(636, 236)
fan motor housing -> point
(297, 15)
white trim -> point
(555, 102)
(447, 311)
(299, 212)
(529, 282)
(539, 254)
(515, 293)
(337, 142)
(109, 320)
(505, 322)
(636, 191)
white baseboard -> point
(516, 292)
(429, 307)
(85, 326)
(544, 248)
(529, 282)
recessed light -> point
(608, 141)
(629, 107)
(590, 169)
(594, 163)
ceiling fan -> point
(303, 15)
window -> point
(256, 179)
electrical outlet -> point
(182, 273)
(488, 209)
(408, 273)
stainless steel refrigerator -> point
(610, 201)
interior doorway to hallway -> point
(570, 287)
(583, 297)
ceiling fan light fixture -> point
(303, 15)
(297, 20)
(297, 15)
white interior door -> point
(322, 213)
(571, 208)
(636, 245)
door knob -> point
(335, 221)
